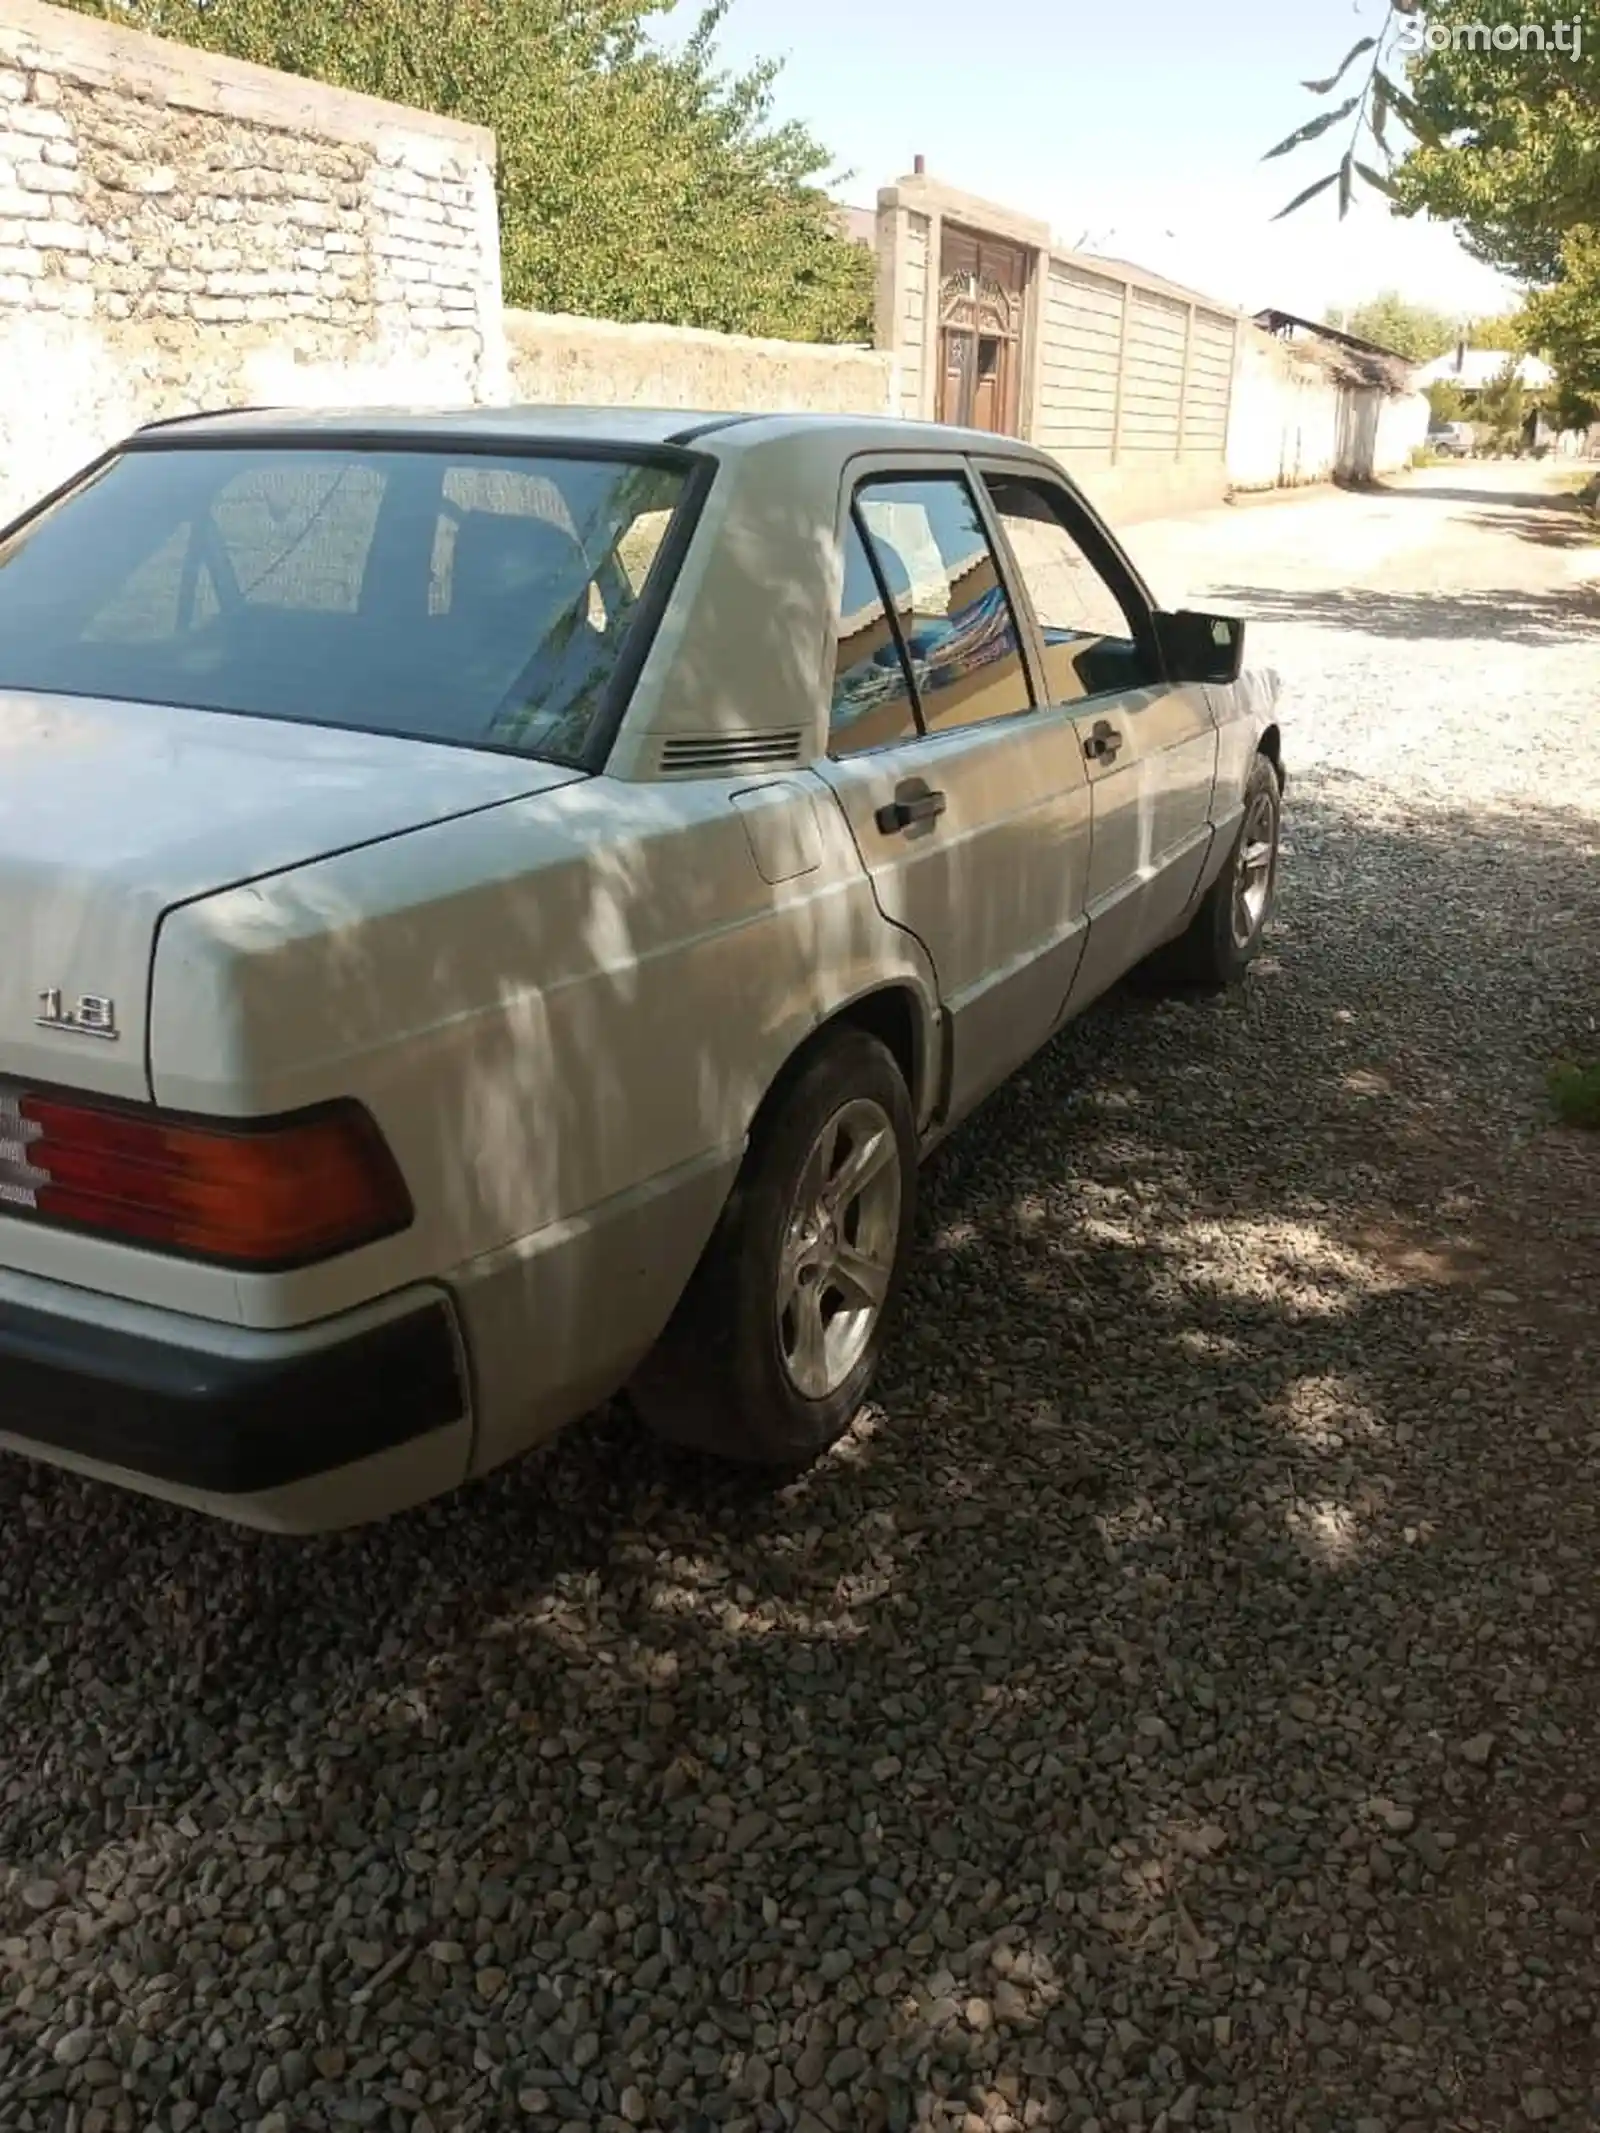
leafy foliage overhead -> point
(1486, 115)
(635, 182)
(1509, 145)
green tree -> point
(1509, 151)
(1393, 321)
(1570, 409)
(1446, 401)
(1416, 330)
(1502, 406)
(1563, 319)
(635, 181)
(1502, 329)
(1507, 144)
(1497, 106)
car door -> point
(1150, 747)
(969, 806)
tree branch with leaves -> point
(1480, 118)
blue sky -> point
(1135, 128)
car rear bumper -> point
(255, 1425)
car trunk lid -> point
(113, 813)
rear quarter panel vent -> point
(715, 755)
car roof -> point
(724, 434)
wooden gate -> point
(982, 290)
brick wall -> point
(178, 230)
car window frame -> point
(1101, 550)
(858, 472)
(853, 523)
(697, 470)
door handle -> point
(912, 804)
(1104, 742)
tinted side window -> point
(872, 702)
(955, 616)
(1090, 645)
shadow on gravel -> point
(1547, 516)
(1498, 617)
(1562, 523)
(1469, 492)
(1212, 1497)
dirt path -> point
(1441, 647)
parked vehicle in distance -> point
(1454, 440)
(503, 901)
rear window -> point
(458, 597)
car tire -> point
(1223, 938)
(777, 1338)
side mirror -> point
(1197, 647)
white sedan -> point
(503, 900)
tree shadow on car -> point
(1055, 1206)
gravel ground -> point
(1177, 1706)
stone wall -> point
(181, 231)
(552, 357)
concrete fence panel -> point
(1152, 391)
(1134, 383)
(1210, 385)
(1080, 361)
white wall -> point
(1402, 427)
(1293, 421)
(1283, 426)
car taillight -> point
(277, 1195)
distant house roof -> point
(1474, 368)
(1347, 355)
(859, 223)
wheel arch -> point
(897, 1016)
(902, 1019)
(1270, 744)
(699, 1386)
